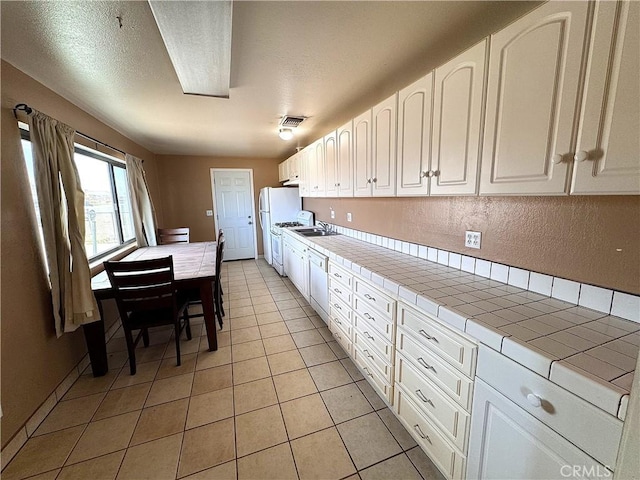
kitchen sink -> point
(316, 233)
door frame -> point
(253, 203)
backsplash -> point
(600, 299)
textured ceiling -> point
(324, 60)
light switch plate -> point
(472, 239)
(333, 213)
(349, 217)
(209, 213)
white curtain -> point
(61, 204)
(144, 217)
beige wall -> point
(185, 182)
(573, 237)
(33, 360)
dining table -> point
(194, 267)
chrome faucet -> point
(326, 227)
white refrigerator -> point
(276, 205)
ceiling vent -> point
(291, 122)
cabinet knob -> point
(424, 174)
(581, 156)
(375, 180)
(368, 180)
(534, 400)
(557, 158)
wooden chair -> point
(146, 297)
(194, 296)
(173, 235)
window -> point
(107, 208)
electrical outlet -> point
(349, 217)
(333, 212)
(209, 213)
(472, 239)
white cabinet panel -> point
(507, 443)
(345, 160)
(331, 165)
(534, 74)
(414, 137)
(383, 152)
(457, 122)
(362, 155)
(317, 169)
(607, 156)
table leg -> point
(94, 336)
(206, 296)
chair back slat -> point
(219, 254)
(167, 236)
(143, 285)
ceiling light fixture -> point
(285, 133)
(197, 36)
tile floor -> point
(278, 400)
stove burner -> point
(289, 224)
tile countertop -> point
(587, 352)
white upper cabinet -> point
(283, 172)
(303, 164)
(457, 123)
(415, 104)
(316, 169)
(383, 147)
(607, 158)
(345, 160)
(534, 75)
(331, 164)
(362, 155)
(294, 167)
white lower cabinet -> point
(296, 263)
(434, 377)
(508, 443)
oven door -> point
(276, 248)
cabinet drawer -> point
(339, 322)
(450, 462)
(588, 427)
(375, 318)
(344, 339)
(380, 343)
(453, 347)
(338, 307)
(341, 275)
(450, 380)
(340, 290)
(383, 387)
(373, 357)
(374, 298)
(452, 419)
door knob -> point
(250, 223)
(581, 156)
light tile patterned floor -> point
(278, 400)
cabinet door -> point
(534, 73)
(331, 165)
(362, 155)
(282, 172)
(457, 123)
(607, 156)
(508, 443)
(294, 166)
(383, 152)
(345, 160)
(320, 186)
(414, 137)
(303, 188)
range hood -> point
(292, 182)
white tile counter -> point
(590, 353)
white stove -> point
(304, 218)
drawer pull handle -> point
(426, 365)
(369, 297)
(534, 400)
(369, 317)
(337, 321)
(337, 275)
(337, 291)
(368, 372)
(417, 428)
(337, 306)
(366, 352)
(423, 398)
(369, 336)
(337, 336)
(427, 336)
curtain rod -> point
(23, 107)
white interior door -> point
(233, 206)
